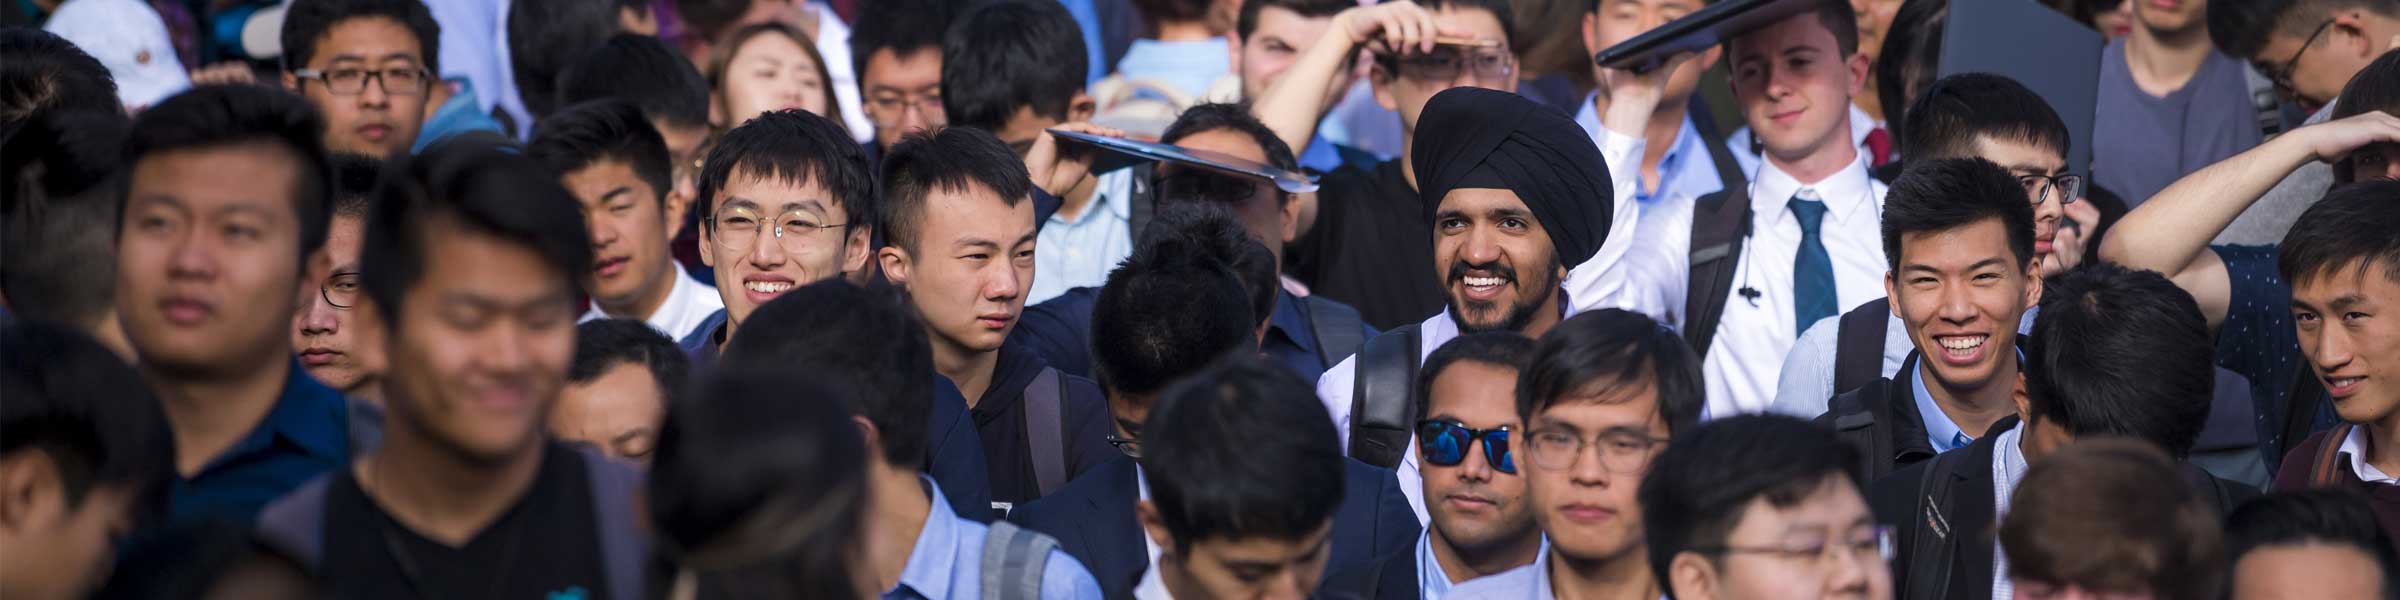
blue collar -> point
(1288, 321)
(936, 553)
(1939, 430)
(307, 415)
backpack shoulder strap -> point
(1936, 541)
(1720, 222)
(295, 523)
(1852, 416)
(1339, 329)
(1046, 429)
(1704, 122)
(1858, 349)
(2326, 467)
(1142, 202)
(1013, 561)
(1383, 397)
(623, 549)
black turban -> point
(1478, 138)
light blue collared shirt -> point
(1939, 431)
(1078, 252)
(1432, 582)
(947, 562)
(1684, 172)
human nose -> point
(320, 317)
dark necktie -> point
(1813, 295)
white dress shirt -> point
(689, 303)
(2354, 449)
(2008, 469)
(1860, 126)
(1079, 251)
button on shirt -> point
(306, 434)
(688, 305)
(947, 561)
(1078, 251)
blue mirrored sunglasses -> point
(1444, 444)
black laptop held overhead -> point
(1696, 32)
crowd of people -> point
(585, 299)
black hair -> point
(63, 394)
(1174, 305)
(1618, 349)
(1909, 62)
(1220, 234)
(1837, 18)
(202, 558)
(1698, 488)
(1947, 194)
(545, 37)
(2240, 28)
(2374, 88)
(711, 18)
(1006, 54)
(1247, 22)
(225, 115)
(354, 177)
(841, 331)
(2113, 516)
(2351, 227)
(642, 70)
(606, 130)
(1163, 11)
(1242, 449)
(1946, 118)
(759, 498)
(949, 159)
(1503, 349)
(1236, 117)
(472, 184)
(305, 22)
(45, 72)
(2330, 516)
(602, 344)
(2123, 352)
(795, 147)
(901, 26)
(58, 213)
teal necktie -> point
(1813, 296)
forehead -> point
(1264, 549)
(1604, 404)
(2017, 155)
(892, 65)
(773, 193)
(1225, 140)
(370, 38)
(1474, 20)
(1972, 242)
(1651, 4)
(461, 259)
(2369, 281)
(1794, 32)
(1469, 385)
(769, 45)
(1478, 200)
(258, 175)
(1277, 19)
(973, 210)
(1835, 502)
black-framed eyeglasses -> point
(1875, 543)
(1130, 447)
(1444, 443)
(737, 229)
(341, 290)
(2038, 187)
(1443, 64)
(2283, 77)
(1622, 451)
(928, 103)
(397, 81)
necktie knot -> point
(1810, 211)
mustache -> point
(1458, 270)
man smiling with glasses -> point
(785, 201)
(367, 65)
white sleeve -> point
(1806, 385)
(1333, 388)
(1607, 279)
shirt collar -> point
(2354, 449)
(312, 416)
(1847, 193)
(936, 552)
(1104, 192)
(1288, 321)
(1432, 582)
(1670, 166)
(1939, 430)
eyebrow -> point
(2341, 302)
(1978, 266)
(977, 243)
(612, 194)
(386, 58)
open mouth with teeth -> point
(768, 287)
(1962, 348)
(2342, 386)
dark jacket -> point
(2383, 498)
(1393, 577)
(1000, 421)
(1881, 421)
(1093, 520)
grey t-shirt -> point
(2141, 143)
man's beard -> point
(1517, 315)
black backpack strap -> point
(1935, 540)
(1704, 122)
(1143, 202)
(1858, 351)
(1720, 224)
(295, 523)
(1383, 397)
(623, 549)
(1852, 416)
(1339, 329)
(1046, 429)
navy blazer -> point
(1093, 520)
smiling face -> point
(1588, 509)
(208, 258)
(1279, 39)
(480, 344)
(770, 72)
(1473, 505)
(381, 120)
(2349, 325)
(1961, 292)
(750, 272)
(1497, 267)
(341, 346)
(1834, 515)
(968, 271)
(632, 270)
(2022, 159)
(1795, 86)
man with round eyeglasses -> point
(338, 340)
(784, 202)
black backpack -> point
(1383, 397)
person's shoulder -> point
(1065, 503)
(1064, 578)
(1895, 495)
(2293, 474)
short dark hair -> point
(45, 72)
(1837, 18)
(762, 497)
(545, 37)
(63, 394)
(354, 179)
(2240, 29)
(602, 344)
(587, 134)
(1947, 117)
(1222, 236)
(901, 26)
(305, 22)
(1499, 10)
(2331, 516)
(1242, 449)
(796, 147)
(1235, 117)
(1172, 306)
(2113, 515)
(840, 331)
(1946, 194)
(1503, 349)
(949, 159)
(1163, 11)
(1005, 54)
(225, 115)
(58, 213)
(2351, 227)
(2123, 352)
(1619, 348)
(2374, 88)
(472, 184)
(642, 70)
(1247, 22)
(1700, 486)
(711, 18)
(1909, 61)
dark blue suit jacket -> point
(1093, 520)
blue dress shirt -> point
(947, 561)
(306, 434)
